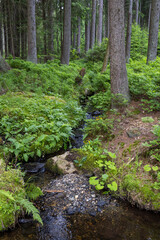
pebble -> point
(77, 196)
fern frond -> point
(30, 209)
(7, 194)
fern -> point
(33, 192)
(7, 194)
(30, 209)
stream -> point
(114, 220)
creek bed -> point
(114, 220)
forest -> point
(90, 65)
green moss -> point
(14, 198)
(53, 168)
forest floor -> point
(132, 128)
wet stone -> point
(76, 196)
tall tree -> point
(100, 21)
(32, 46)
(153, 31)
(93, 23)
(50, 29)
(65, 54)
(79, 35)
(118, 73)
(129, 31)
(87, 30)
(137, 10)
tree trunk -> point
(129, 31)
(87, 31)
(79, 35)
(1, 31)
(149, 16)
(44, 29)
(93, 23)
(32, 46)
(100, 21)
(4, 67)
(5, 27)
(23, 38)
(118, 73)
(106, 59)
(10, 30)
(50, 30)
(65, 56)
(137, 10)
(153, 31)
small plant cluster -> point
(98, 126)
(94, 157)
(32, 125)
(109, 171)
(15, 198)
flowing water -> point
(119, 221)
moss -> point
(53, 168)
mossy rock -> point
(59, 165)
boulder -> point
(59, 165)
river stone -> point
(59, 165)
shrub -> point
(34, 125)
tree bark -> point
(100, 21)
(153, 31)
(87, 31)
(50, 30)
(1, 31)
(93, 23)
(5, 27)
(44, 29)
(79, 35)
(149, 16)
(106, 59)
(118, 73)
(129, 31)
(65, 56)
(32, 46)
(137, 10)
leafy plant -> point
(34, 125)
(14, 198)
(109, 172)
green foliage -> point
(109, 172)
(100, 101)
(97, 53)
(14, 198)
(139, 42)
(147, 119)
(144, 82)
(34, 125)
(98, 126)
(49, 78)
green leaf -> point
(112, 155)
(99, 187)
(155, 168)
(25, 156)
(93, 181)
(104, 177)
(39, 153)
(147, 168)
(113, 186)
